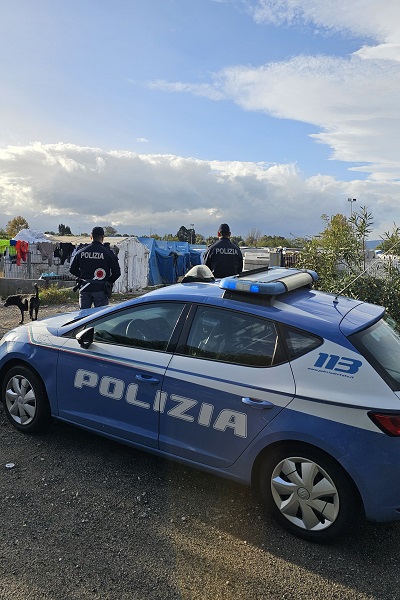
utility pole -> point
(351, 200)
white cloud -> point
(352, 100)
(378, 19)
(64, 183)
(380, 52)
(206, 90)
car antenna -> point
(335, 301)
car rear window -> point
(380, 345)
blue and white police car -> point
(256, 377)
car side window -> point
(233, 337)
(300, 342)
(148, 326)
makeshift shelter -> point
(167, 260)
(133, 258)
(144, 261)
(197, 255)
(32, 236)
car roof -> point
(301, 307)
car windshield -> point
(380, 344)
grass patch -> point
(56, 295)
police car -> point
(256, 377)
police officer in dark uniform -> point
(96, 267)
(224, 258)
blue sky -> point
(150, 115)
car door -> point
(223, 386)
(113, 386)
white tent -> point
(32, 236)
(134, 262)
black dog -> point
(21, 301)
(34, 303)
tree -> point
(183, 234)
(186, 235)
(192, 236)
(200, 239)
(253, 237)
(333, 253)
(298, 242)
(338, 256)
(391, 241)
(64, 230)
(237, 239)
(15, 225)
(362, 223)
(109, 231)
(211, 239)
(274, 241)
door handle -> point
(147, 379)
(260, 404)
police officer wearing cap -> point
(96, 267)
(224, 258)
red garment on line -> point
(22, 251)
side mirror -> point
(85, 337)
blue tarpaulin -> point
(169, 260)
(196, 255)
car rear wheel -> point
(25, 400)
(308, 493)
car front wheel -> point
(308, 493)
(25, 400)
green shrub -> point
(56, 295)
(338, 256)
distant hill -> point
(372, 244)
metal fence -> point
(32, 266)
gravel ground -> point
(85, 518)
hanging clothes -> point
(4, 244)
(66, 249)
(46, 250)
(22, 251)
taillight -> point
(388, 423)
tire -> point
(25, 400)
(308, 493)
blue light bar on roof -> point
(269, 283)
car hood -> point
(57, 322)
(53, 324)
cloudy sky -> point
(149, 115)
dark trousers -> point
(86, 299)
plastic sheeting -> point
(169, 260)
(32, 236)
(133, 258)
